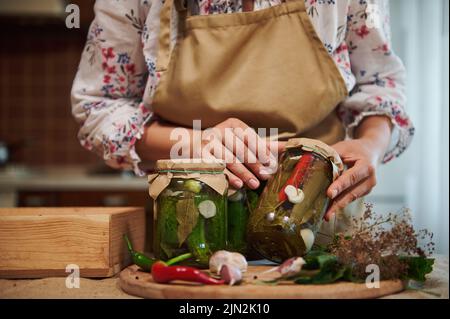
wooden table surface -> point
(435, 287)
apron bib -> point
(267, 68)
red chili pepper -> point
(297, 174)
(162, 273)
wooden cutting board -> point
(42, 242)
(138, 283)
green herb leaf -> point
(418, 267)
(316, 259)
(330, 271)
(187, 216)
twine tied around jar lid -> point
(319, 147)
(209, 172)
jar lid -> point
(209, 172)
(318, 147)
(189, 165)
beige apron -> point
(268, 68)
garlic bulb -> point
(223, 257)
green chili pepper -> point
(197, 244)
(238, 212)
(167, 226)
(216, 227)
(145, 263)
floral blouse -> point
(113, 89)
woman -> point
(127, 111)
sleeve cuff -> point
(402, 130)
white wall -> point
(419, 179)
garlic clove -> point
(231, 274)
(290, 190)
(217, 260)
(308, 238)
(223, 257)
(294, 195)
(291, 266)
(207, 208)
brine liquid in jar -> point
(190, 212)
(291, 208)
(240, 203)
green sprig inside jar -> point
(291, 208)
(190, 209)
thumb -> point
(277, 147)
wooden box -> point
(41, 242)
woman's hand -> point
(360, 177)
(248, 157)
(361, 156)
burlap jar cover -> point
(209, 173)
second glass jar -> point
(190, 216)
(292, 206)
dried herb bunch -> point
(388, 241)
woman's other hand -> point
(361, 156)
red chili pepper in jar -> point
(297, 174)
(162, 273)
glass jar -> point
(190, 210)
(294, 201)
(240, 204)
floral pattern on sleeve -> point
(107, 95)
(112, 93)
(379, 76)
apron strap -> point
(165, 30)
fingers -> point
(246, 156)
(349, 178)
(250, 148)
(235, 167)
(351, 194)
(277, 147)
(233, 179)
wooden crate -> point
(41, 242)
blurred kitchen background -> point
(42, 163)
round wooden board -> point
(138, 283)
